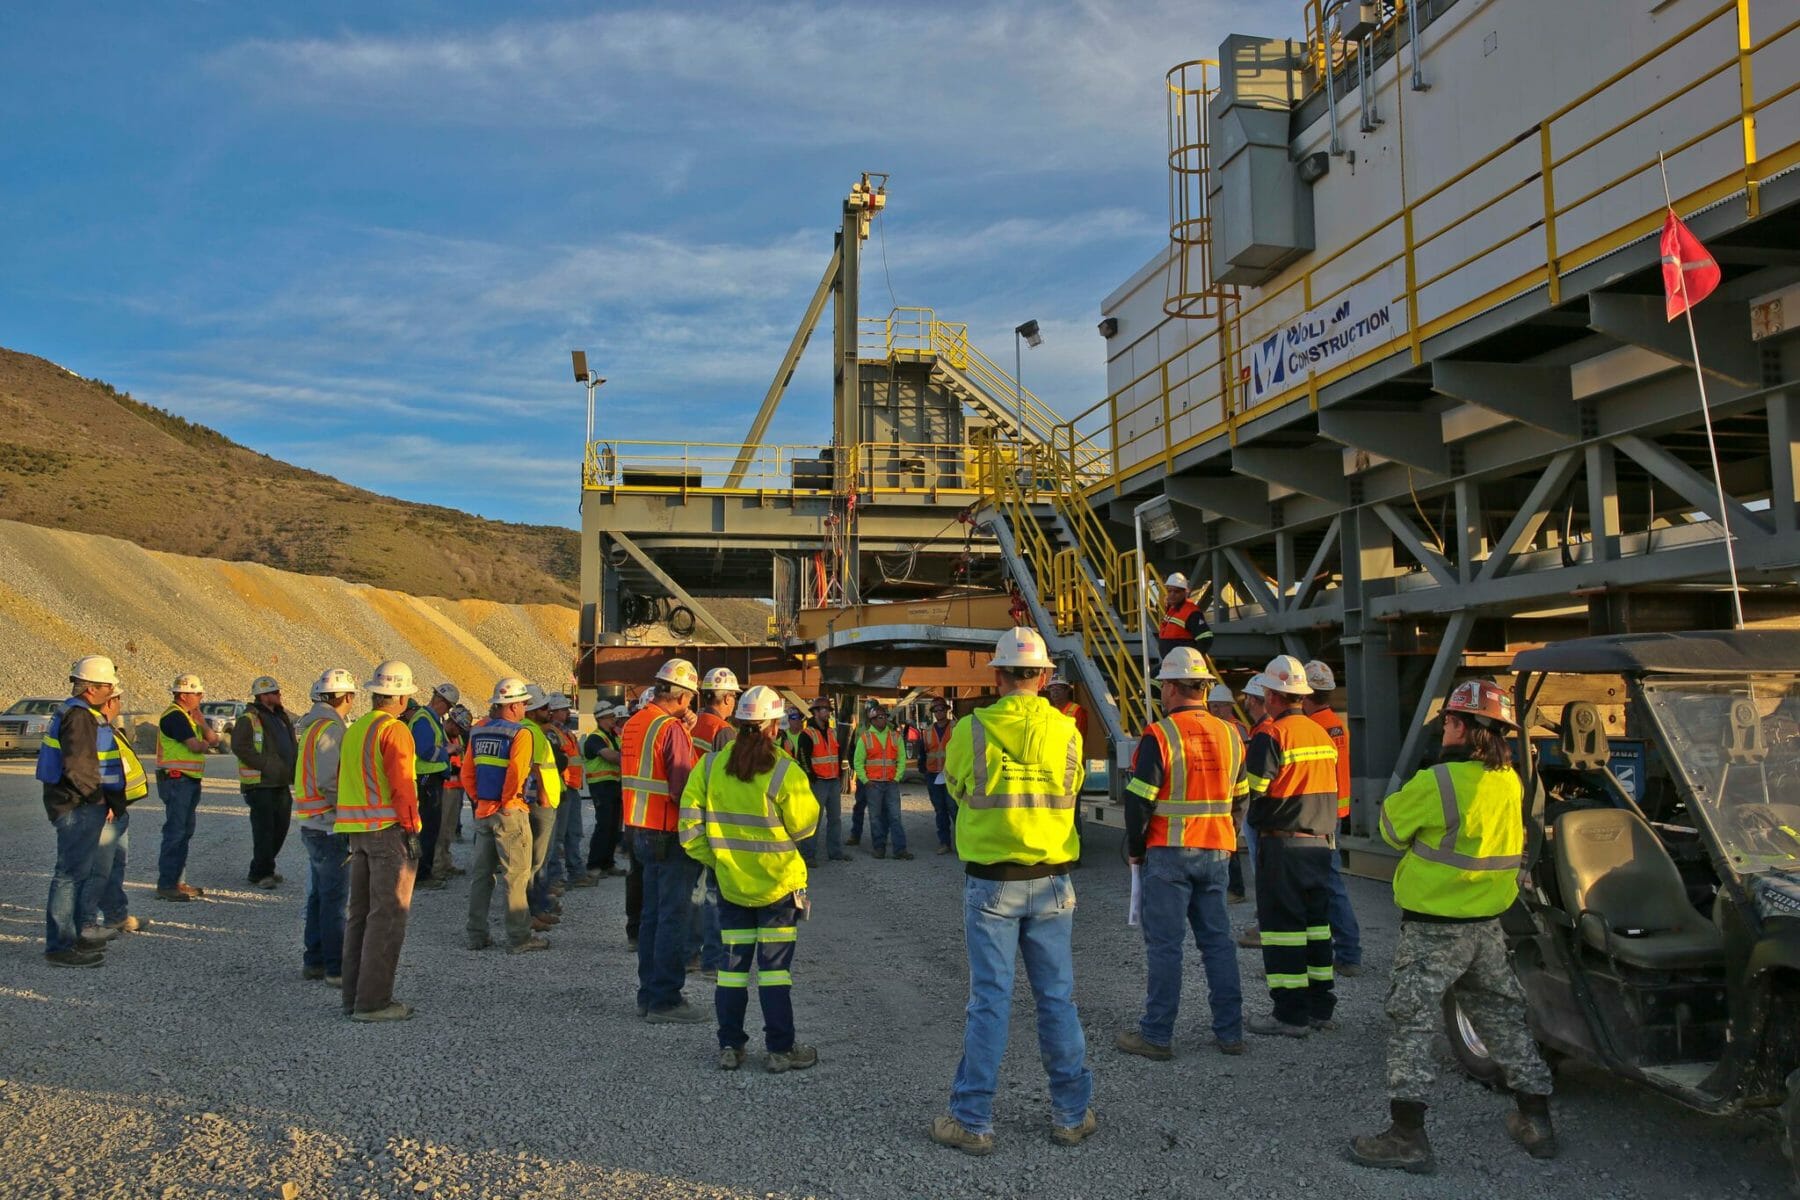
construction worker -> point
(568, 864)
(266, 746)
(77, 762)
(822, 754)
(859, 805)
(879, 763)
(102, 910)
(634, 868)
(1187, 789)
(543, 793)
(1015, 770)
(1062, 698)
(378, 807)
(1454, 880)
(183, 740)
(713, 730)
(743, 811)
(719, 692)
(1183, 624)
(600, 755)
(496, 768)
(457, 723)
(1255, 704)
(933, 740)
(658, 755)
(431, 741)
(1293, 812)
(1223, 705)
(1346, 934)
(322, 733)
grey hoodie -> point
(331, 741)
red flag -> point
(1689, 272)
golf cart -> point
(1658, 934)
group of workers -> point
(705, 780)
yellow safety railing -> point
(1133, 429)
(701, 468)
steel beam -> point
(1313, 470)
(1603, 501)
(1413, 438)
(1468, 528)
(1430, 559)
(1437, 683)
(1784, 461)
(1690, 485)
(1537, 395)
(1240, 499)
(1253, 579)
(784, 373)
(1309, 583)
(700, 611)
(1530, 517)
(1723, 327)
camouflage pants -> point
(1471, 958)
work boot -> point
(1232, 1048)
(1236, 897)
(190, 891)
(334, 981)
(841, 857)
(129, 924)
(795, 1058)
(681, 1014)
(1074, 1135)
(312, 973)
(431, 883)
(1530, 1126)
(1345, 970)
(853, 840)
(587, 881)
(948, 1131)
(1321, 1024)
(879, 854)
(730, 1058)
(540, 924)
(267, 883)
(1402, 1146)
(174, 893)
(84, 942)
(903, 855)
(75, 958)
(943, 849)
(1271, 1027)
(528, 945)
(393, 1012)
(1250, 937)
(99, 933)
(1133, 1042)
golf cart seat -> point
(1625, 895)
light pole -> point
(1160, 515)
(1024, 335)
(578, 359)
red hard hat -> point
(1481, 698)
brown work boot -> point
(1402, 1146)
(528, 945)
(948, 1131)
(731, 1058)
(129, 924)
(1074, 1135)
(75, 958)
(795, 1058)
(393, 1012)
(1250, 937)
(1530, 1126)
(1133, 1042)
(175, 894)
(190, 891)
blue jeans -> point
(1346, 934)
(572, 852)
(830, 795)
(858, 806)
(766, 935)
(943, 808)
(1185, 889)
(663, 927)
(543, 835)
(884, 815)
(77, 833)
(1000, 920)
(102, 898)
(327, 892)
(705, 929)
(181, 801)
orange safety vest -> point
(935, 742)
(1333, 725)
(826, 763)
(1301, 796)
(1201, 761)
(454, 782)
(881, 756)
(574, 769)
(645, 783)
(707, 728)
(1077, 714)
(1174, 622)
(310, 799)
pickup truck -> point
(220, 716)
(22, 727)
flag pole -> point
(1712, 446)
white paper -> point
(1137, 897)
(940, 779)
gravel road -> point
(197, 1063)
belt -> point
(1288, 833)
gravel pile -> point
(198, 1063)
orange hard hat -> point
(1482, 698)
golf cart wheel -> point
(1466, 1046)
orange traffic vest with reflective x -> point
(365, 797)
(1174, 621)
(1202, 773)
(881, 756)
(173, 756)
(711, 732)
(1333, 725)
(935, 741)
(1293, 768)
(644, 787)
(574, 770)
(310, 800)
(826, 763)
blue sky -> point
(363, 237)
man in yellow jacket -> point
(1461, 826)
(743, 813)
(1015, 770)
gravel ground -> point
(197, 1063)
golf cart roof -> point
(1702, 652)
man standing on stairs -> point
(1062, 699)
(432, 750)
(1346, 935)
(1183, 624)
(267, 748)
(880, 762)
(182, 741)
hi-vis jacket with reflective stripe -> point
(1293, 777)
(431, 745)
(137, 784)
(880, 755)
(649, 742)
(50, 767)
(173, 756)
(711, 732)
(574, 772)
(598, 769)
(1015, 770)
(496, 764)
(1339, 733)
(1463, 830)
(316, 769)
(375, 777)
(934, 741)
(543, 786)
(1198, 771)
(745, 831)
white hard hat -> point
(1184, 664)
(262, 685)
(95, 668)
(183, 684)
(1220, 694)
(510, 690)
(681, 673)
(557, 700)
(1021, 647)
(617, 710)
(448, 693)
(536, 698)
(759, 704)
(1319, 676)
(1255, 688)
(1285, 674)
(460, 715)
(720, 679)
(391, 678)
(1176, 580)
(644, 697)
(333, 682)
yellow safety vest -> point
(251, 776)
(598, 769)
(137, 785)
(365, 795)
(746, 831)
(173, 756)
(1015, 770)
(543, 785)
(1462, 827)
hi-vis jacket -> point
(711, 732)
(1015, 771)
(1187, 775)
(544, 784)
(316, 770)
(746, 831)
(1463, 830)
(1293, 777)
(375, 777)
